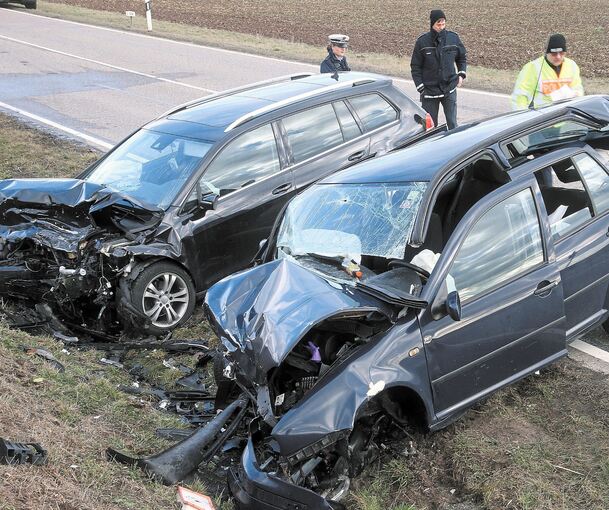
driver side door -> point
(512, 320)
(249, 176)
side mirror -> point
(208, 202)
(453, 305)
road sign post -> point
(130, 15)
(149, 14)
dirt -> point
(498, 35)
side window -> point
(347, 122)
(312, 131)
(247, 159)
(596, 179)
(486, 259)
(565, 197)
(373, 110)
(516, 151)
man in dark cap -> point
(438, 67)
(336, 59)
(549, 78)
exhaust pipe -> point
(178, 461)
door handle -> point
(357, 155)
(545, 287)
(282, 188)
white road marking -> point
(73, 132)
(591, 350)
(234, 52)
(105, 64)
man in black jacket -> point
(336, 59)
(438, 67)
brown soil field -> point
(499, 34)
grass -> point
(541, 444)
(479, 77)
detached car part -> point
(22, 453)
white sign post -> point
(130, 15)
(149, 14)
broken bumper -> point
(254, 489)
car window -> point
(596, 179)
(373, 110)
(244, 161)
(565, 197)
(347, 122)
(486, 259)
(312, 132)
(516, 151)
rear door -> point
(575, 191)
(322, 140)
(512, 301)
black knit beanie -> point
(556, 43)
(435, 15)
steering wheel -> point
(402, 263)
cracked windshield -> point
(337, 228)
(151, 166)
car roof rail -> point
(235, 90)
(295, 99)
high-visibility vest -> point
(538, 78)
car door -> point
(512, 318)
(320, 144)
(576, 196)
(252, 185)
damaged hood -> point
(60, 212)
(262, 313)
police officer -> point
(438, 67)
(549, 78)
(336, 60)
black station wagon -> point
(184, 201)
(409, 287)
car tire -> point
(165, 293)
(31, 4)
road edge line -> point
(591, 350)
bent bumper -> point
(254, 489)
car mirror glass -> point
(453, 305)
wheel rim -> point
(166, 300)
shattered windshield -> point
(343, 222)
(151, 166)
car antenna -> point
(532, 103)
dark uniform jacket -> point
(433, 63)
(331, 64)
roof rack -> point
(235, 90)
(294, 99)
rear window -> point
(373, 110)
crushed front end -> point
(65, 243)
(315, 358)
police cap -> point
(340, 40)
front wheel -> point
(30, 4)
(165, 293)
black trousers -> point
(449, 103)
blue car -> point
(407, 288)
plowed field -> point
(498, 34)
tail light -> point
(428, 122)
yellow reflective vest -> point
(539, 78)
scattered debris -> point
(111, 362)
(43, 353)
(179, 461)
(22, 453)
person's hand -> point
(460, 81)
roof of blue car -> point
(423, 160)
(220, 112)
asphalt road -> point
(104, 83)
